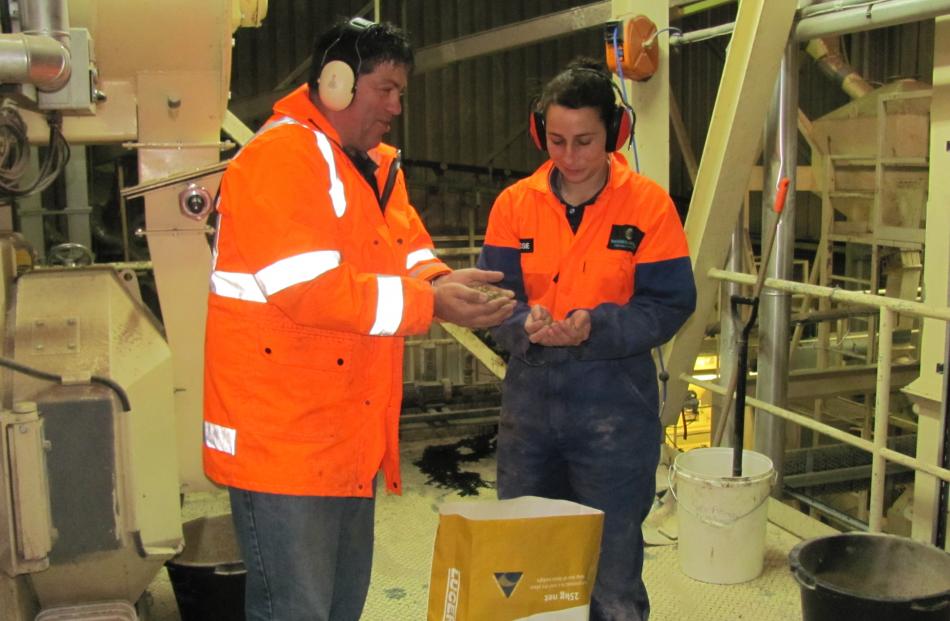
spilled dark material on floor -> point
(442, 464)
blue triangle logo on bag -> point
(507, 581)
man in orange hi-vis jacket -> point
(321, 266)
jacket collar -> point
(297, 105)
(620, 173)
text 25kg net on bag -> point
(508, 560)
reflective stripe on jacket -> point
(312, 288)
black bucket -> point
(208, 576)
(871, 577)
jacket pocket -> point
(301, 385)
(319, 350)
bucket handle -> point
(805, 579)
(670, 477)
(930, 607)
(229, 569)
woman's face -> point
(575, 141)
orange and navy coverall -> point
(312, 289)
(582, 422)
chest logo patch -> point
(527, 245)
(624, 237)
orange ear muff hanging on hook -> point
(639, 50)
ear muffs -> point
(537, 131)
(336, 85)
(618, 130)
(621, 126)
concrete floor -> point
(405, 531)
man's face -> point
(377, 101)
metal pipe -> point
(728, 356)
(693, 8)
(882, 407)
(38, 55)
(869, 16)
(827, 6)
(780, 152)
(45, 18)
(832, 63)
(41, 61)
(854, 17)
(695, 36)
(828, 510)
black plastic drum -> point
(871, 577)
(208, 576)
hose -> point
(52, 377)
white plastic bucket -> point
(722, 518)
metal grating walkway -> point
(405, 530)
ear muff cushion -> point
(618, 133)
(335, 86)
(624, 127)
(536, 129)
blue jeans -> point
(307, 557)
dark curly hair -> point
(585, 83)
(362, 49)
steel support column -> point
(77, 197)
(752, 62)
(927, 391)
(780, 154)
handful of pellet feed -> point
(491, 291)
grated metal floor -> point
(405, 531)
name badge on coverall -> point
(624, 237)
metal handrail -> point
(889, 309)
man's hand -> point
(566, 333)
(467, 298)
(470, 277)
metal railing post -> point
(882, 406)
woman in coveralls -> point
(597, 258)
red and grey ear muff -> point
(537, 131)
(621, 127)
(618, 130)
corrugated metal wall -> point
(462, 114)
(474, 112)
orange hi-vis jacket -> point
(563, 270)
(628, 263)
(313, 286)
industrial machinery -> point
(100, 401)
(93, 411)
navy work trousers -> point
(307, 557)
(554, 442)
